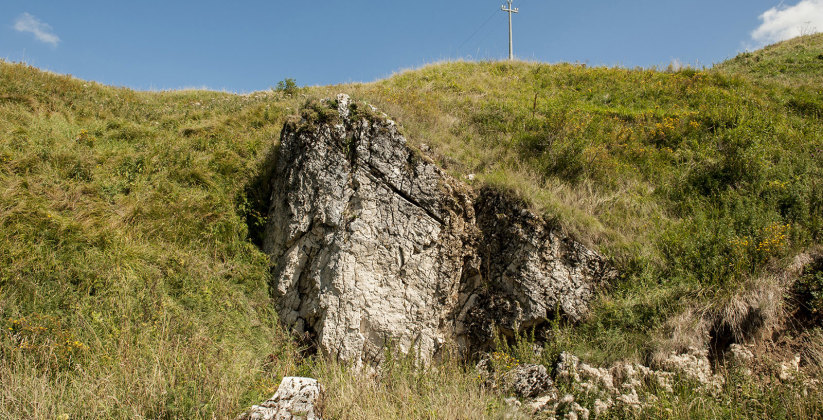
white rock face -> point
(375, 247)
(294, 400)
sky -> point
(243, 46)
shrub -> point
(287, 86)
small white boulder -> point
(295, 399)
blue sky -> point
(243, 46)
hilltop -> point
(133, 284)
(794, 62)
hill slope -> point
(795, 62)
(131, 285)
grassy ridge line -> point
(127, 257)
(797, 61)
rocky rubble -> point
(619, 388)
(521, 380)
(375, 247)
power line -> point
(476, 31)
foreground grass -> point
(131, 286)
(128, 287)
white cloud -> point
(41, 30)
(784, 22)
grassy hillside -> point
(793, 62)
(128, 287)
(131, 285)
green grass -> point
(128, 286)
(131, 285)
(793, 62)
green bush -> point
(287, 86)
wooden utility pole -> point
(510, 10)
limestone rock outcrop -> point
(375, 247)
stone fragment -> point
(789, 369)
(694, 364)
(295, 399)
(528, 381)
(739, 354)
